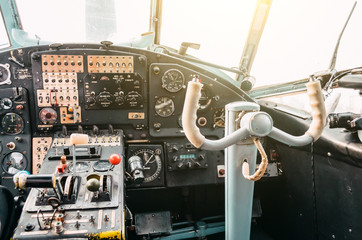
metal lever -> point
(185, 45)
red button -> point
(114, 159)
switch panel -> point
(62, 63)
(70, 115)
(60, 80)
(41, 147)
(110, 64)
(185, 157)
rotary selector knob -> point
(90, 100)
(119, 97)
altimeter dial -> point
(164, 106)
(173, 80)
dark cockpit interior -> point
(93, 146)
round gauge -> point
(164, 106)
(204, 101)
(48, 116)
(14, 162)
(81, 167)
(173, 80)
(5, 74)
(219, 117)
(152, 164)
(101, 166)
(134, 99)
(6, 103)
(12, 123)
(105, 99)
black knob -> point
(189, 164)
(29, 227)
(66, 151)
(91, 100)
(201, 157)
(174, 149)
(92, 150)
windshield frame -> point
(11, 20)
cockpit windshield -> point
(291, 47)
(88, 21)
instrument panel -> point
(91, 89)
(167, 94)
(71, 84)
(15, 134)
(129, 104)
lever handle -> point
(185, 45)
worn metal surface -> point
(238, 190)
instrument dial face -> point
(152, 163)
(4, 74)
(48, 116)
(81, 167)
(6, 103)
(12, 123)
(14, 162)
(102, 166)
(105, 99)
(219, 117)
(173, 80)
(164, 106)
(134, 99)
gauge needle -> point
(164, 104)
(148, 160)
(221, 118)
(171, 77)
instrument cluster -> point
(70, 84)
(15, 138)
(167, 94)
(89, 89)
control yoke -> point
(253, 123)
(244, 125)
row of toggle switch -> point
(102, 141)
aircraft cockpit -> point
(105, 136)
